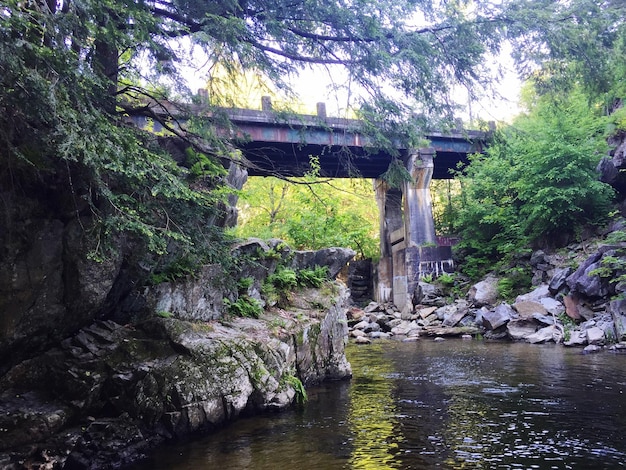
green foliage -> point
(202, 166)
(283, 279)
(61, 134)
(311, 213)
(245, 283)
(396, 175)
(312, 277)
(536, 184)
(447, 280)
(180, 267)
(575, 43)
(298, 387)
(244, 306)
(505, 288)
(568, 325)
(612, 267)
(618, 236)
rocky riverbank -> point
(107, 394)
(578, 300)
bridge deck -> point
(275, 144)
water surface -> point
(453, 404)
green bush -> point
(283, 279)
(312, 277)
(244, 306)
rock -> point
(521, 329)
(536, 295)
(545, 319)
(379, 335)
(484, 292)
(334, 258)
(405, 328)
(610, 173)
(478, 315)
(357, 333)
(166, 376)
(577, 338)
(466, 337)
(372, 307)
(595, 335)
(572, 307)
(439, 338)
(410, 339)
(355, 313)
(492, 319)
(363, 340)
(454, 318)
(528, 308)
(371, 327)
(592, 348)
(553, 306)
(442, 312)
(582, 282)
(497, 334)
(549, 333)
(427, 294)
(454, 331)
(559, 280)
(195, 299)
(425, 312)
(617, 308)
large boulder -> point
(484, 292)
(163, 377)
(617, 308)
(559, 280)
(493, 319)
(535, 295)
(199, 298)
(334, 258)
(528, 308)
(585, 282)
(49, 287)
(520, 329)
(548, 333)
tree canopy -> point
(70, 70)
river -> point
(452, 404)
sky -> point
(315, 85)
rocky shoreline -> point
(579, 300)
(106, 395)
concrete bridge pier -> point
(407, 232)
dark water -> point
(452, 404)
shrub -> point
(312, 277)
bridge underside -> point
(407, 235)
(288, 159)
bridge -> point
(276, 144)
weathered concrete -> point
(408, 243)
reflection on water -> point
(453, 404)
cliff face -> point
(96, 368)
(110, 392)
(48, 286)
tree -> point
(70, 70)
(536, 184)
(564, 43)
(311, 213)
